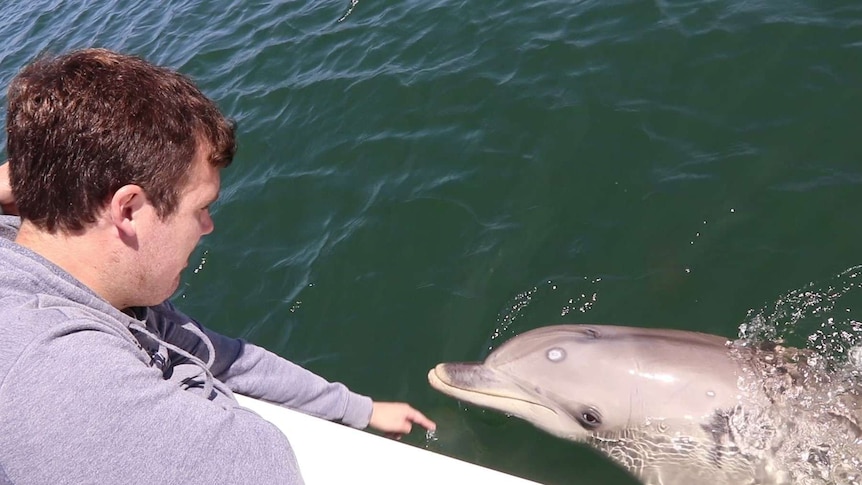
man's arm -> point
(256, 372)
(251, 370)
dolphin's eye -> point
(591, 333)
(589, 418)
(556, 354)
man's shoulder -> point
(41, 309)
(27, 320)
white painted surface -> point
(362, 457)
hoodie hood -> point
(31, 282)
(24, 273)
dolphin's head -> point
(577, 381)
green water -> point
(422, 177)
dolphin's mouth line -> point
(465, 394)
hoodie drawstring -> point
(204, 366)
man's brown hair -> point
(84, 124)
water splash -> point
(811, 396)
(511, 313)
(582, 303)
(200, 266)
(353, 4)
(578, 294)
(430, 438)
(823, 316)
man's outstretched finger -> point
(420, 419)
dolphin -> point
(672, 407)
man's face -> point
(168, 244)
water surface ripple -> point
(420, 180)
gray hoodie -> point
(89, 394)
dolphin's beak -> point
(483, 386)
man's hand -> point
(7, 201)
(396, 418)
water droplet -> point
(856, 357)
(430, 438)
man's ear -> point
(125, 210)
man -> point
(113, 164)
